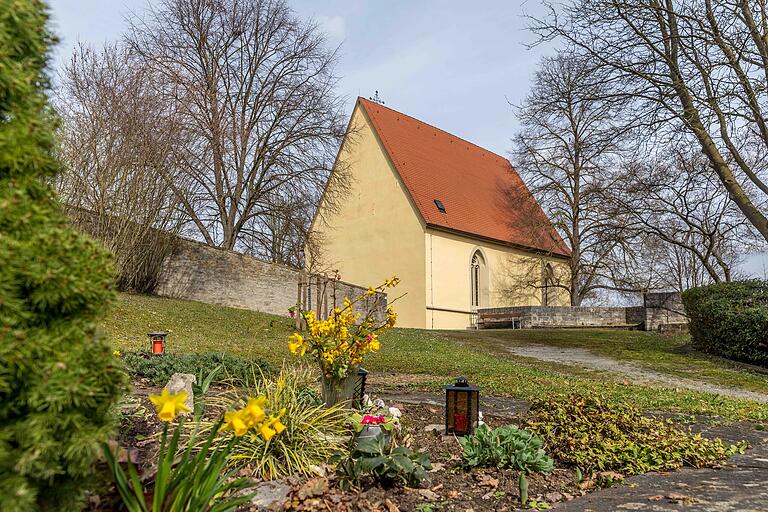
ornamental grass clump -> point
(199, 476)
(313, 433)
(340, 342)
(594, 434)
(58, 380)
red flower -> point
(373, 420)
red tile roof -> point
(482, 193)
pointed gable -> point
(458, 186)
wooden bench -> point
(499, 320)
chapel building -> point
(454, 221)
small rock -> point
(434, 428)
(183, 382)
(319, 470)
(270, 493)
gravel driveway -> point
(585, 359)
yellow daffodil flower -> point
(253, 412)
(236, 422)
(267, 432)
(276, 424)
(168, 405)
(297, 346)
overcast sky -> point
(455, 67)
(437, 60)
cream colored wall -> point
(376, 232)
(448, 259)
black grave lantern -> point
(157, 343)
(362, 374)
(462, 404)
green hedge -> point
(233, 369)
(730, 320)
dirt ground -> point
(739, 485)
(450, 487)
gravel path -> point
(585, 359)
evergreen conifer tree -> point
(58, 381)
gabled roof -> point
(481, 193)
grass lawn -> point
(197, 327)
(668, 354)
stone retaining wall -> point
(664, 309)
(563, 316)
(196, 271)
(660, 311)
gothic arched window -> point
(478, 280)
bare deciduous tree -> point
(253, 91)
(699, 64)
(281, 234)
(115, 146)
(571, 135)
(676, 199)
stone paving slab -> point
(739, 486)
(732, 489)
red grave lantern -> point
(462, 405)
(157, 343)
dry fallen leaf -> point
(487, 481)
(429, 495)
(391, 507)
(314, 487)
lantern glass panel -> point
(462, 403)
(157, 343)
